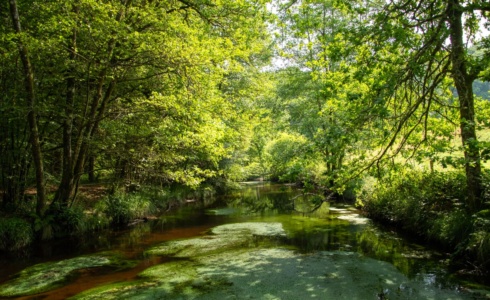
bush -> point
(479, 240)
(123, 208)
(431, 205)
(95, 221)
(15, 233)
(287, 161)
(427, 204)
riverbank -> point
(97, 207)
(431, 207)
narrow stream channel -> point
(333, 253)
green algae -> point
(173, 280)
(47, 276)
(218, 266)
(184, 276)
(224, 237)
(138, 289)
(172, 271)
(274, 274)
(251, 228)
(199, 246)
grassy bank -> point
(97, 207)
(431, 206)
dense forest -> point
(382, 102)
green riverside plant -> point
(15, 233)
(430, 205)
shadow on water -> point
(328, 228)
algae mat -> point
(239, 270)
(47, 276)
(222, 238)
(274, 274)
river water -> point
(333, 237)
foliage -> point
(368, 82)
(93, 221)
(66, 220)
(156, 92)
(432, 206)
(181, 93)
(422, 77)
(413, 198)
(288, 160)
(121, 209)
(479, 241)
(15, 233)
(319, 88)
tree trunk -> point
(91, 169)
(67, 183)
(463, 82)
(31, 116)
(77, 151)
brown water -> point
(261, 202)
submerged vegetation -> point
(258, 251)
(47, 276)
(272, 271)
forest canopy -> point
(147, 91)
(328, 94)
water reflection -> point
(331, 228)
(262, 198)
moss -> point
(46, 276)
(219, 268)
(173, 280)
(199, 246)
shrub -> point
(122, 208)
(60, 221)
(431, 205)
(15, 233)
(427, 204)
(286, 159)
(451, 228)
(479, 241)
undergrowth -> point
(431, 205)
(15, 233)
(116, 209)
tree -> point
(30, 97)
(99, 64)
(423, 41)
(319, 88)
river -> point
(262, 242)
